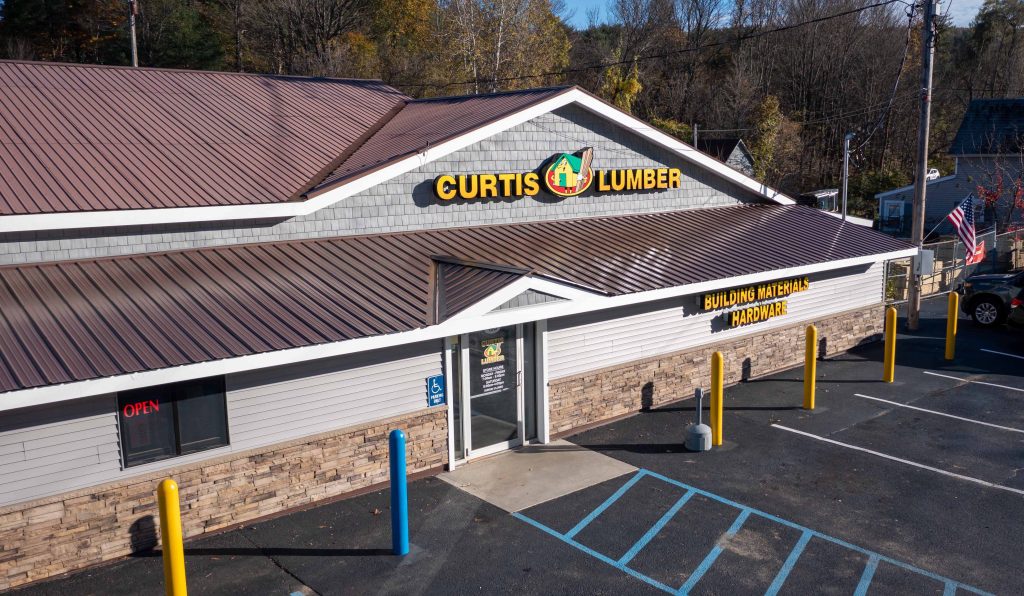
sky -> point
(961, 10)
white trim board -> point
(581, 302)
(326, 198)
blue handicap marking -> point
(435, 390)
(951, 586)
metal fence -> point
(1004, 252)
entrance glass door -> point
(493, 409)
(494, 404)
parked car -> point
(986, 297)
(1016, 316)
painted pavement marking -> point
(963, 380)
(902, 461)
(937, 413)
(807, 534)
(1002, 353)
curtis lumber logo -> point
(564, 175)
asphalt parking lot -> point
(915, 487)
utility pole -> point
(133, 10)
(921, 181)
(694, 134)
(846, 168)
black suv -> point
(987, 297)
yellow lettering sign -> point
(756, 293)
(758, 313)
(527, 184)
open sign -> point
(141, 408)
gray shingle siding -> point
(407, 202)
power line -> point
(603, 65)
(861, 111)
(896, 84)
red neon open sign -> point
(140, 408)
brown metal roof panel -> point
(422, 123)
(134, 328)
(39, 288)
(461, 286)
(28, 324)
(188, 138)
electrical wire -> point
(644, 58)
(896, 85)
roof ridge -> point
(349, 151)
(493, 93)
(196, 71)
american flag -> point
(962, 219)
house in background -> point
(987, 148)
(732, 152)
(826, 199)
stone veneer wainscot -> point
(619, 390)
(54, 535)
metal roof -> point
(87, 138)
(991, 127)
(425, 122)
(460, 286)
(78, 320)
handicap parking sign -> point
(435, 390)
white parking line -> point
(935, 374)
(903, 461)
(896, 403)
(1003, 354)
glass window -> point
(170, 420)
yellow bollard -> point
(889, 364)
(717, 377)
(810, 366)
(170, 538)
(951, 320)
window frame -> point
(177, 392)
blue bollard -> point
(399, 494)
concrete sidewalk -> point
(531, 475)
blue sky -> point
(961, 10)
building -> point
(244, 282)
(828, 200)
(987, 151)
(732, 152)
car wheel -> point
(987, 312)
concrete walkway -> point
(531, 475)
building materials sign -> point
(565, 175)
(759, 293)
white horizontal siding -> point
(57, 448)
(592, 341)
(72, 445)
(279, 404)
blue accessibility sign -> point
(435, 390)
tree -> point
(65, 30)
(621, 87)
(502, 44)
(175, 34)
(1000, 187)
